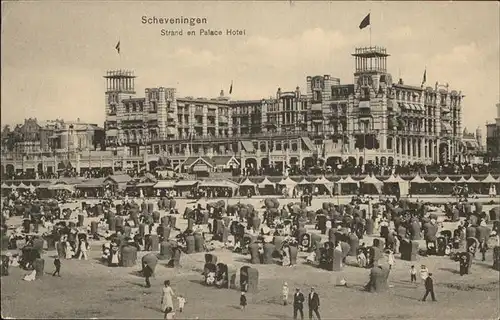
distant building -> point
(472, 150)
(493, 136)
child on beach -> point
(413, 274)
(243, 301)
(182, 301)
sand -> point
(89, 289)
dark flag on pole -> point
(424, 79)
(118, 47)
(231, 88)
(365, 23)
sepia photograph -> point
(250, 159)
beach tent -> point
(462, 180)
(448, 180)
(266, 183)
(247, 183)
(418, 179)
(392, 179)
(489, 179)
(437, 180)
(325, 182)
(372, 180)
(304, 182)
(472, 180)
(348, 179)
(287, 182)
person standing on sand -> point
(298, 304)
(147, 272)
(429, 288)
(57, 264)
(284, 293)
(243, 300)
(313, 303)
(167, 304)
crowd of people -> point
(246, 230)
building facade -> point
(372, 120)
(493, 136)
(47, 146)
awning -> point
(316, 107)
(217, 184)
(309, 144)
(185, 183)
(112, 133)
(418, 107)
(171, 131)
(446, 126)
(445, 109)
(364, 105)
(164, 184)
(61, 187)
(248, 146)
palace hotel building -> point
(375, 119)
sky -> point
(54, 54)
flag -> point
(231, 88)
(118, 47)
(424, 78)
(365, 23)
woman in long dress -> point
(166, 298)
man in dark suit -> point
(313, 303)
(298, 304)
(429, 288)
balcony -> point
(133, 117)
(211, 113)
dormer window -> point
(317, 83)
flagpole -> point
(370, 13)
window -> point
(134, 107)
(127, 108)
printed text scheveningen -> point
(192, 21)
